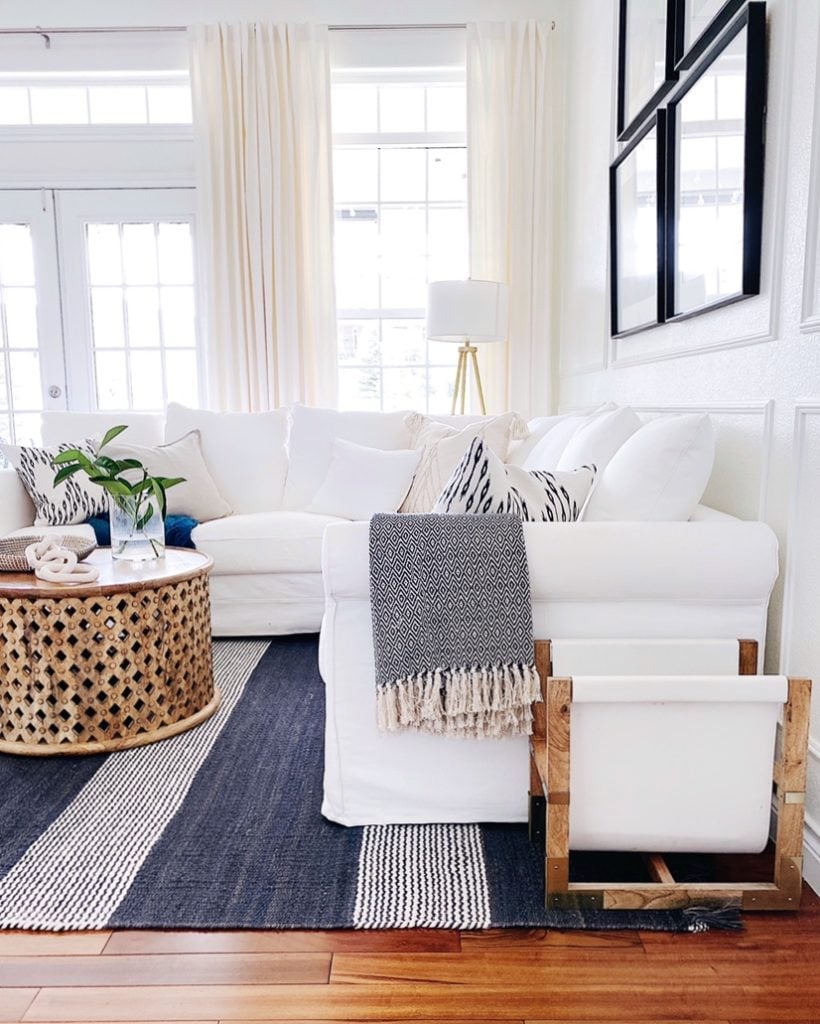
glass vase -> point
(134, 537)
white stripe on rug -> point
(78, 871)
(422, 876)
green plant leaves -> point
(112, 433)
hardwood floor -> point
(768, 972)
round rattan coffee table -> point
(108, 665)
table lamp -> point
(467, 312)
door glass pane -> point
(112, 380)
(21, 388)
(153, 314)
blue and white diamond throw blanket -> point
(452, 625)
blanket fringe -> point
(475, 701)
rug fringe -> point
(471, 701)
(719, 918)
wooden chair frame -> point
(550, 804)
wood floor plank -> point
(537, 937)
(175, 969)
(25, 943)
(14, 1003)
(429, 940)
(596, 999)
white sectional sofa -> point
(280, 569)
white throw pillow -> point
(548, 451)
(72, 501)
(658, 474)
(312, 434)
(245, 452)
(538, 428)
(198, 496)
(482, 484)
(362, 481)
(595, 442)
(442, 448)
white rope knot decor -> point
(55, 564)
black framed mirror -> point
(714, 195)
(648, 39)
(700, 23)
(637, 208)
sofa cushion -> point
(259, 542)
(362, 481)
(595, 442)
(658, 474)
(197, 496)
(312, 433)
(143, 427)
(246, 452)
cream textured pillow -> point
(361, 481)
(442, 448)
(482, 484)
(198, 496)
(72, 501)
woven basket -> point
(13, 549)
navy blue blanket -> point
(177, 531)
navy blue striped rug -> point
(220, 828)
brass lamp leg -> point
(461, 381)
(479, 388)
(467, 355)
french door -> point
(97, 303)
(129, 308)
(32, 365)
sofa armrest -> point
(16, 509)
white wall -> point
(754, 365)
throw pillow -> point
(310, 449)
(362, 481)
(659, 474)
(198, 496)
(442, 448)
(481, 483)
(246, 452)
(72, 501)
(596, 442)
(547, 453)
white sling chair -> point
(666, 746)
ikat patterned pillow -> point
(72, 501)
(481, 483)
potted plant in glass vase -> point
(136, 500)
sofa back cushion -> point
(312, 434)
(245, 452)
(658, 474)
(145, 428)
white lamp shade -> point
(467, 309)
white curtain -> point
(262, 124)
(512, 166)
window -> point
(400, 189)
(106, 98)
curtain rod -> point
(40, 31)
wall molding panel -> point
(797, 547)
